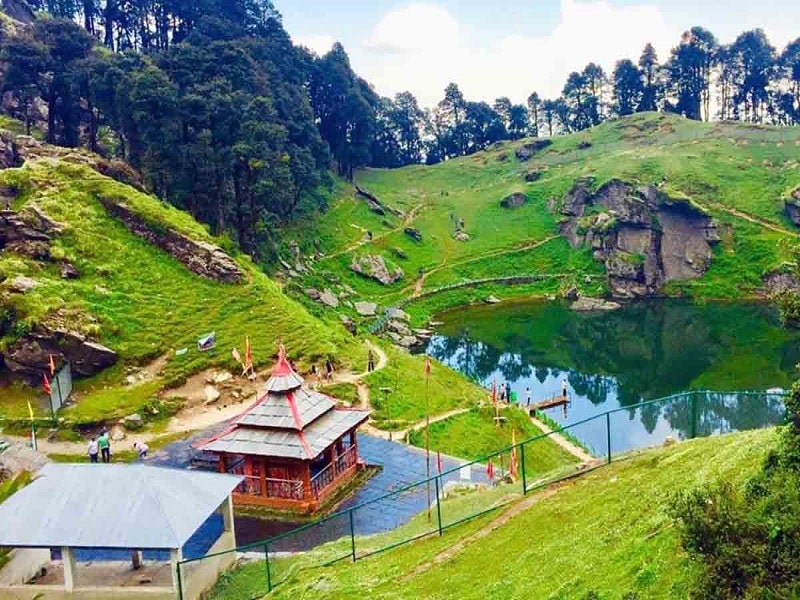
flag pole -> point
(428, 432)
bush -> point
(747, 540)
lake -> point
(622, 359)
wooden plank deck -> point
(549, 403)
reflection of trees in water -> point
(646, 350)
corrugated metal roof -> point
(289, 443)
(112, 506)
(273, 410)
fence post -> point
(352, 537)
(266, 560)
(180, 581)
(693, 416)
(608, 437)
(522, 465)
(438, 506)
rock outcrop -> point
(526, 151)
(28, 232)
(19, 11)
(375, 205)
(791, 207)
(203, 258)
(413, 233)
(29, 356)
(514, 200)
(374, 267)
(644, 237)
(587, 304)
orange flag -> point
(47, 387)
(52, 366)
(248, 353)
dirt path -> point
(562, 441)
(407, 220)
(530, 245)
(753, 219)
(460, 545)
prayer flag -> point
(427, 366)
(47, 388)
(52, 366)
(248, 353)
(30, 410)
(236, 356)
(207, 342)
(439, 461)
(490, 470)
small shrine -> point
(294, 446)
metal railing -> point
(453, 496)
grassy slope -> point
(139, 300)
(143, 303)
(474, 434)
(608, 532)
(719, 166)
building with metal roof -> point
(294, 446)
(71, 510)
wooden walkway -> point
(548, 403)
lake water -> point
(621, 359)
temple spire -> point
(283, 378)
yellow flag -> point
(30, 409)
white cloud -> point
(421, 48)
(415, 28)
(318, 43)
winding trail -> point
(563, 442)
(752, 218)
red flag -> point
(427, 366)
(490, 470)
(512, 467)
(494, 392)
(47, 385)
(439, 461)
(52, 366)
(248, 353)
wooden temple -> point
(294, 446)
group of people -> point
(100, 448)
(507, 396)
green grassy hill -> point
(740, 174)
(607, 533)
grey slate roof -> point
(112, 506)
(284, 382)
(286, 443)
(273, 410)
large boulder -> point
(413, 233)
(29, 356)
(527, 150)
(203, 258)
(644, 237)
(514, 200)
(586, 304)
(366, 309)
(374, 267)
(328, 298)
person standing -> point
(370, 361)
(508, 392)
(328, 368)
(564, 387)
(528, 396)
(93, 450)
(105, 447)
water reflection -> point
(621, 359)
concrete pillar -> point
(68, 559)
(176, 556)
(227, 516)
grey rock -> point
(374, 267)
(349, 324)
(328, 298)
(492, 300)
(461, 236)
(413, 233)
(532, 176)
(586, 304)
(68, 271)
(211, 394)
(312, 293)
(792, 210)
(514, 200)
(366, 309)
(117, 433)
(200, 257)
(644, 237)
(397, 314)
(22, 284)
(133, 421)
(526, 151)
(398, 327)
(781, 281)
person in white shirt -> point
(142, 449)
(94, 450)
(564, 387)
(528, 396)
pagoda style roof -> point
(289, 443)
(283, 378)
(275, 410)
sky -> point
(513, 47)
